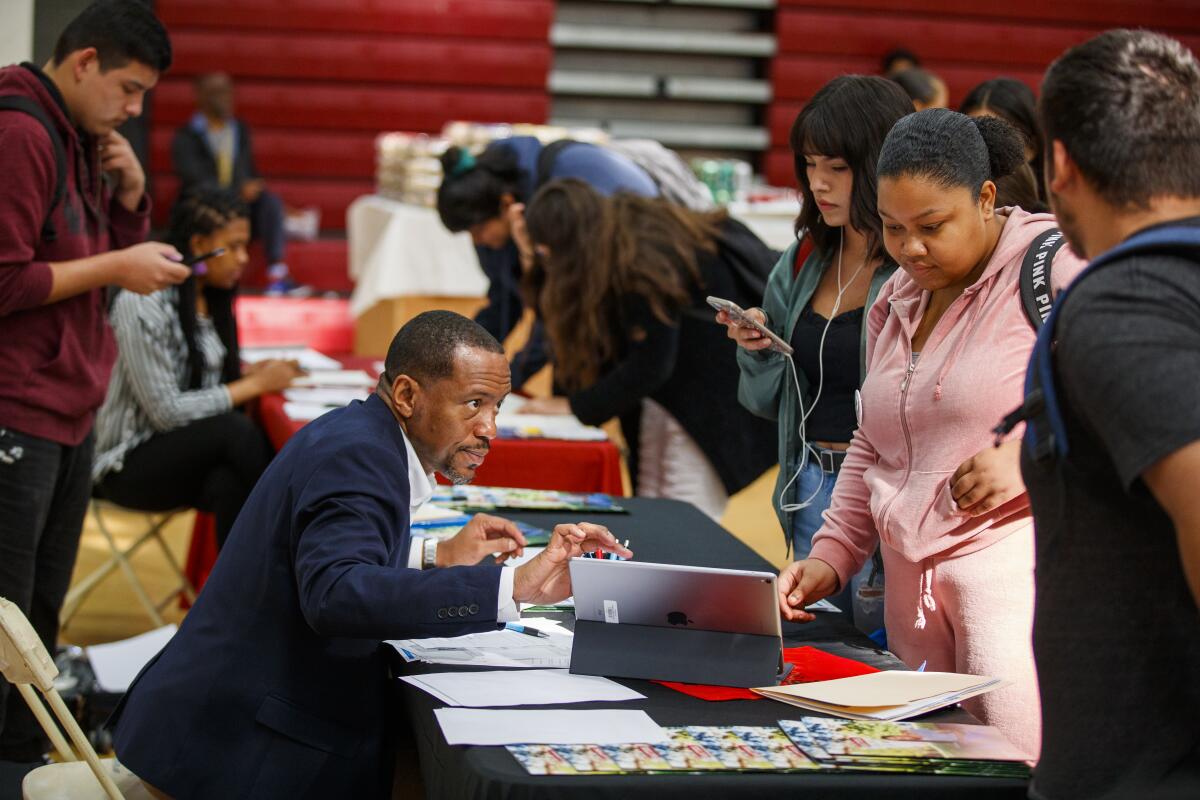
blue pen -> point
(922, 667)
(514, 627)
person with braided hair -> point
(169, 433)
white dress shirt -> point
(420, 489)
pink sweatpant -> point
(977, 613)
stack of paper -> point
(492, 727)
(501, 648)
(888, 695)
(514, 425)
(537, 687)
(336, 377)
(116, 664)
(917, 747)
(308, 358)
(490, 498)
(306, 404)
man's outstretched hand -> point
(546, 577)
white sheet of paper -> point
(305, 412)
(500, 648)
(431, 511)
(549, 726)
(530, 553)
(116, 664)
(338, 377)
(547, 426)
(822, 605)
(536, 687)
(309, 358)
(326, 395)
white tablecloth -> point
(399, 250)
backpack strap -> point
(1045, 429)
(1036, 295)
(26, 105)
(547, 159)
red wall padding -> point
(963, 43)
(318, 79)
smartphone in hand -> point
(738, 315)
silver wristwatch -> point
(429, 553)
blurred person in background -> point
(1012, 101)
(925, 89)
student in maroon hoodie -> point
(56, 349)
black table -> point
(673, 532)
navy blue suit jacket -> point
(275, 685)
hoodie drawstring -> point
(925, 595)
(976, 313)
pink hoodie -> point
(920, 423)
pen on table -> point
(512, 626)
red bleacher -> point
(317, 80)
(963, 43)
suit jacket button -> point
(452, 611)
(441, 613)
(463, 611)
(474, 609)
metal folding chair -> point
(119, 557)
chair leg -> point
(47, 722)
(184, 585)
(82, 745)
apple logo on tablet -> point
(677, 618)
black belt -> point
(830, 460)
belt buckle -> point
(828, 463)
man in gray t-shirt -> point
(1117, 617)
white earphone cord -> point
(805, 447)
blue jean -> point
(816, 483)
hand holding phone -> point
(739, 317)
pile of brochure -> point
(805, 745)
(489, 498)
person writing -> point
(922, 481)
(169, 434)
(620, 284)
(73, 216)
(277, 673)
(819, 303)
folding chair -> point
(25, 663)
(120, 557)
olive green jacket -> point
(765, 387)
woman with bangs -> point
(817, 303)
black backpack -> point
(26, 105)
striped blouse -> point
(147, 393)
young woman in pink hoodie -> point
(948, 343)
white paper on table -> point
(116, 664)
(306, 412)
(308, 358)
(538, 687)
(500, 648)
(530, 554)
(568, 603)
(547, 426)
(326, 395)
(339, 377)
(432, 511)
(547, 726)
(886, 688)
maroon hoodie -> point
(54, 359)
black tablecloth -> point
(673, 532)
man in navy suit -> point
(275, 686)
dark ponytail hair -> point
(473, 185)
(1014, 102)
(203, 212)
(951, 149)
(847, 118)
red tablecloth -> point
(523, 463)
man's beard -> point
(459, 478)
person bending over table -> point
(948, 345)
(620, 283)
(276, 686)
(169, 434)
